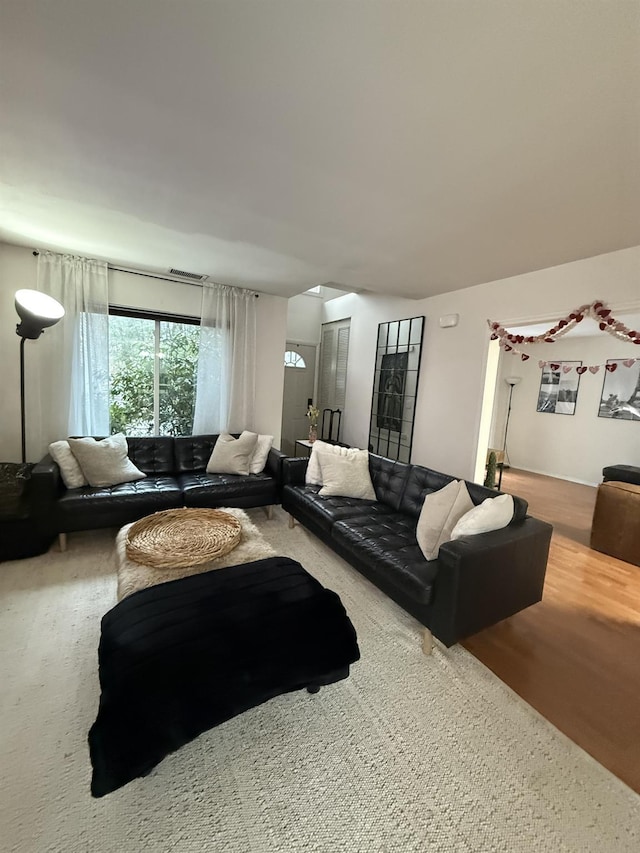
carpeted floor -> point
(408, 754)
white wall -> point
(18, 269)
(454, 360)
(304, 319)
(574, 447)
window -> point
(293, 359)
(153, 365)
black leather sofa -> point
(176, 477)
(476, 580)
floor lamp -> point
(37, 311)
(511, 381)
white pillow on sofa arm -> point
(440, 513)
(491, 514)
(70, 469)
(259, 457)
(313, 475)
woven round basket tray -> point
(175, 538)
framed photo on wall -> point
(621, 391)
(559, 387)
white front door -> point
(299, 378)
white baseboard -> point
(556, 476)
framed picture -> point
(559, 388)
(393, 375)
(620, 391)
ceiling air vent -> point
(192, 276)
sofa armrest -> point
(485, 578)
(294, 469)
(274, 464)
(45, 487)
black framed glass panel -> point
(395, 388)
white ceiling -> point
(399, 147)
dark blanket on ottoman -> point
(183, 656)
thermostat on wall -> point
(448, 320)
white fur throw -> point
(132, 576)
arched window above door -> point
(293, 359)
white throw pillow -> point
(105, 463)
(440, 513)
(70, 470)
(346, 474)
(491, 514)
(259, 457)
(313, 476)
(232, 455)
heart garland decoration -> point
(581, 370)
(594, 368)
(596, 310)
(612, 367)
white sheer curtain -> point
(68, 367)
(225, 390)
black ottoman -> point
(181, 657)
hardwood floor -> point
(575, 656)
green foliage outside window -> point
(138, 348)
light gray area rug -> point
(409, 754)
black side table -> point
(20, 533)
(20, 538)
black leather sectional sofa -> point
(476, 580)
(176, 476)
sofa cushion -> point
(440, 513)
(260, 454)
(126, 500)
(327, 510)
(491, 514)
(202, 489)
(313, 474)
(70, 469)
(387, 544)
(105, 463)
(232, 455)
(347, 475)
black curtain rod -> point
(151, 275)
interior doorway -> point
(299, 388)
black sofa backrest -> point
(153, 454)
(420, 482)
(389, 479)
(193, 452)
(404, 487)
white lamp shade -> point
(37, 311)
(513, 380)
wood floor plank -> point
(575, 656)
